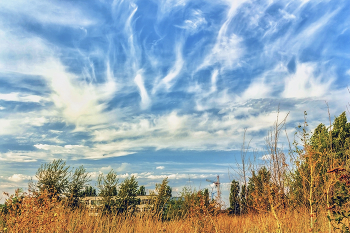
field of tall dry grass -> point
(80, 221)
(44, 214)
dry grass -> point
(81, 222)
(33, 214)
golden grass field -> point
(78, 221)
(45, 215)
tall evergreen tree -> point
(243, 200)
(259, 190)
(234, 198)
(206, 196)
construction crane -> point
(217, 185)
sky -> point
(163, 88)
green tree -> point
(141, 191)
(311, 184)
(107, 186)
(206, 196)
(327, 148)
(341, 137)
(127, 194)
(57, 178)
(76, 184)
(53, 177)
(89, 191)
(332, 142)
(234, 198)
(258, 190)
(191, 203)
(243, 200)
(164, 192)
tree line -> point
(59, 182)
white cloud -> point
(123, 176)
(160, 167)
(24, 156)
(94, 175)
(265, 157)
(225, 53)
(170, 176)
(8, 127)
(195, 22)
(177, 176)
(303, 2)
(304, 84)
(317, 26)
(292, 42)
(19, 97)
(170, 123)
(56, 131)
(190, 132)
(228, 47)
(213, 100)
(134, 52)
(19, 123)
(106, 169)
(98, 151)
(122, 167)
(214, 77)
(145, 100)
(287, 15)
(79, 102)
(56, 12)
(168, 6)
(168, 80)
(19, 177)
(257, 89)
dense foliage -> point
(317, 179)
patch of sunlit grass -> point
(45, 214)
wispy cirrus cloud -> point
(90, 96)
(228, 47)
(174, 71)
(19, 97)
(56, 12)
(195, 22)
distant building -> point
(146, 202)
(92, 201)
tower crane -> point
(217, 185)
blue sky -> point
(162, 88)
